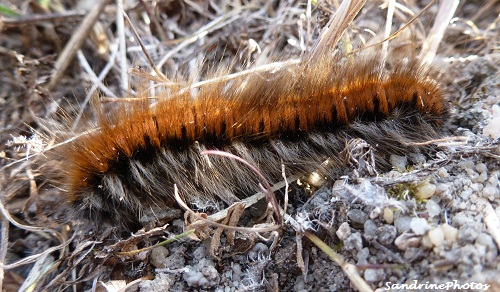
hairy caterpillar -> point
(298, 116)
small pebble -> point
(483, 176)
(493, 180)
(158, 256)
(443, 173)
(426, 242)
(462, 218)
(432, 208)
(236, 269)
(344, 231)
(363, 256)
(374, 275)
(490, 192)
(402, 224)
(444, 192)
(477, 187)
(258, 250)
(472, 174)
(491, 249)
(357, 216)
(481, 167)
(354, 242)
(204, 274)
(417, 158)
(492, 129)
(450, 232)
(466, 164)
(388, 215)
(426, 191)
(436, 236)
(465, 194)
(419, 226)
(411, 253)
(386, 234)
(407, 240)
(375, 213)
(370, 229)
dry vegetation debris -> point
(435, 220)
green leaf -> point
(6, 11)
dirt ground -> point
(433, 219)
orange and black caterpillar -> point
(298, 116)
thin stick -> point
(208, 222)
(4, 242)
(256, 197)
(34, 19)
(336, 27)
(349, 269)
(443, 18)
(387, 31)
(96, 81)
(139, 40)
(165, 242)
(395, 34)
(215, 24)
(122, 45)
(75, 43)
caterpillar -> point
(297, 116)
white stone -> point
(481, 167)
(490, 192)
(492, 129)
(436, 236)
(450, 232)
(426, 242)
(433, 208)
(388, 215)
(344, 231)
(419, 226)
(426, 191)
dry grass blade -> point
(349, 269)
(122, 45)
(203, 221)
(395, 34)
(4, 245)
(336, 27)
(41, 230)
(492, 221)
(53, 17)
(215, 24)
(443, 18)
(144, 50)
(74, 44)
(43, 265)
(200, 45)
(170, 240)
(34, 258)
(96, 81)
(388, 26)
(248, 202)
